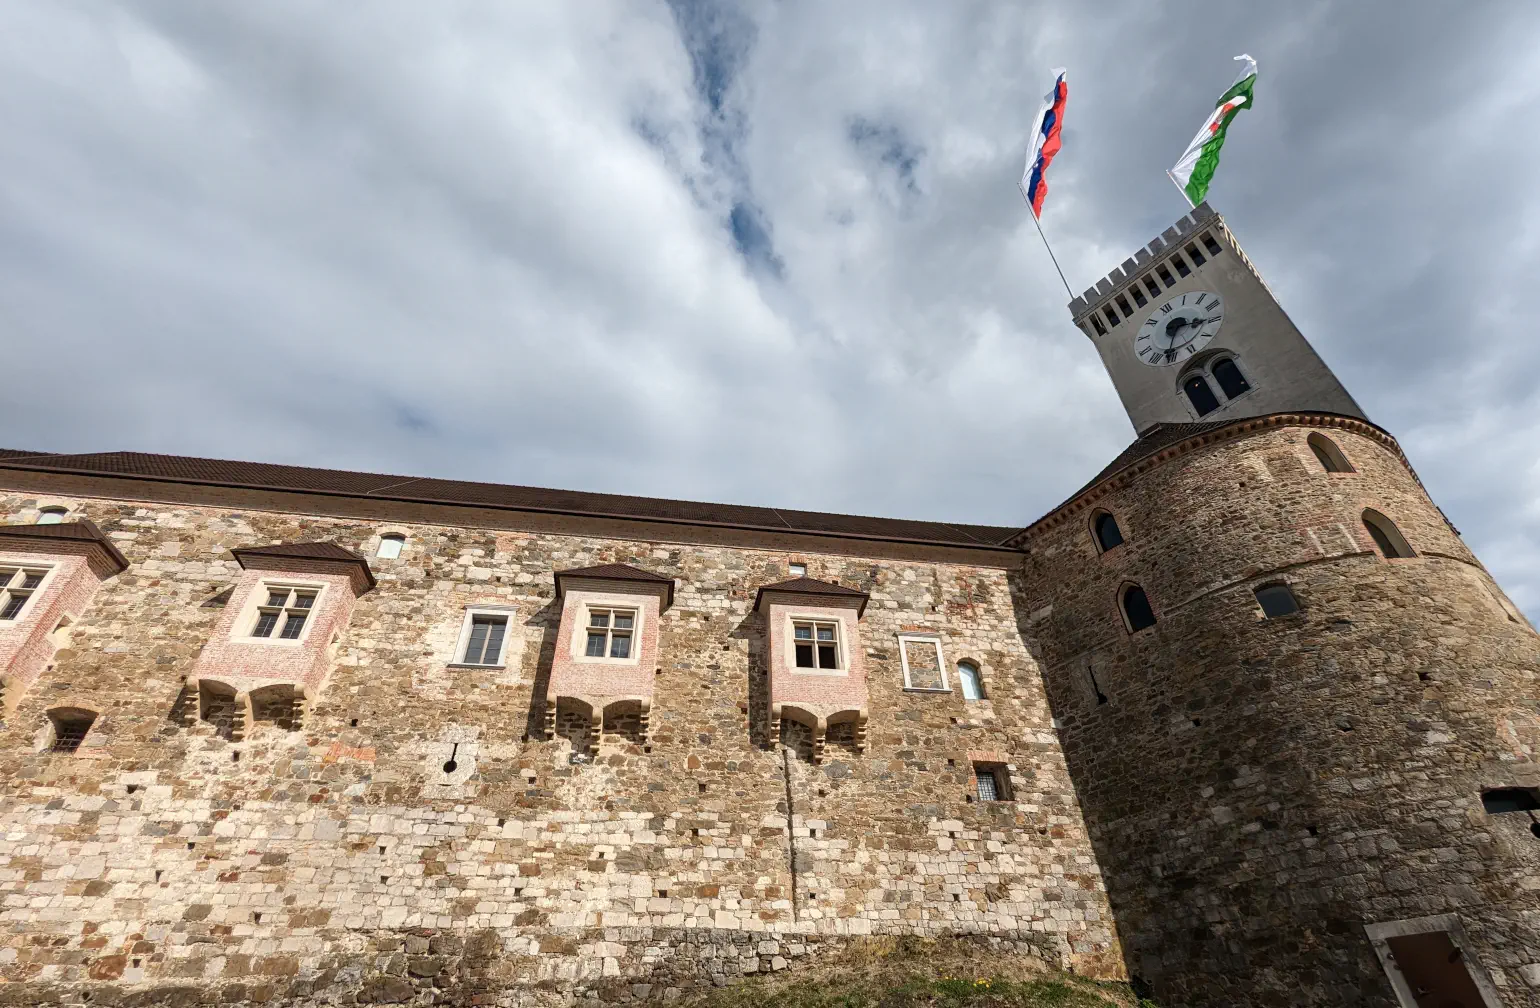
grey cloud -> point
(758, 252)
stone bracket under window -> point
(817, 670)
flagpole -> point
(1179, 189)
(1033, 214)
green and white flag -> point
(1195, 169)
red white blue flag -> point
(1045, 143)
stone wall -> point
(419, 833)
(1258, 790)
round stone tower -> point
(1301, 719)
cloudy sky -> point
(768, 252)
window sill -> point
(456, 664)
(589, 660)
(830, 672)
(927, 689)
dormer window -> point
(16, 586)
(816, 644)
(286, 611)
(609, 633)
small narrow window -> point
(1200, 395)
(1195, 255)
(1136, 607)
(968, 678)
(1231, 382)
(51, 515)
(609, 633)
(1328, 454)
(1111, 315)
(1165, 276)
(991, 782)
(1138, 295)
(1182, 268)
(797, 569)
(1214, 248)
(70, 727)
(17, 585)
(1123, 306)
(1151, 286)
(1276, 600)
(816, 644)
(1096, 323)
(484, 642)
(390, 547)
(1387, 538)
(1503, 800)
(1107, 532)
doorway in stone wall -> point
(1431, 964)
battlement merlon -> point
(1142, 261)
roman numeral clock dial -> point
(1179, 328)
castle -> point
(1242, 718)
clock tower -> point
(1189, 332)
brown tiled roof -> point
(328, 552)
(82, 530)
(617, 572)
(811, 586)
(260, 475)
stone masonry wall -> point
(419, 840)
(1258, 790)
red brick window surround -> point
(817, 668)
(18, 584)
(283, 610)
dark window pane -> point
(1200, 395)
(988, 791)
(599, 619)
(1210, 244)
(276, 599)
(292, 626)
(304, 601)
(1123, 306)
(1327, 462)
(1107, 533)
(620, 646)
(1276, 600)
(1165, 276)
(1386, 547)
(1139, 298)
(803, 632)
(623, 621)
(1509, 800)
(1181, 266)
(31, 579)
(265, 624)
(826, 656)
(476, 643)
(805, 656)
(68, 735)
(1096, 324)
(13, 606)
(1231, 382)
(1151, 286)
(494, 649)
(1330, 457)
(595, 646)
(1195, 255)
(1110, 315)
(1137, 605)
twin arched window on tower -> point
(1199, 383)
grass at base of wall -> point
(920, 973)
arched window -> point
(1391, 543)
(1330, 456)
(390, 546)
(1136, 609)
(1105, 528)
(1231, 382)
(51, 515)
(968, 678)
(1276, 600)
(1200, 395)
(70, 726)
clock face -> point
(1179, 328)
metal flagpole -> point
(1180, 189)
(1031, 213)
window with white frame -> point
(16, 586)
(390, 547)
(609, 632)
(923, 668)
(816, 644)
(287, 609)
(483, 638)
(968, 679)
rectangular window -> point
(923, 668)
(609, 633)
(991, 782)
(1165, 276)
(288, 606)
(816, 644)
(797, 569)
(1096, 324)
(1151, 286)
(1139, 299)
(484, 643)
(1123, 306)
(1195, 255)
(1110, 315)
(1214, 248)
(1182, 268)
(16, 586)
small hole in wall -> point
(822, 792)
(450, 766)
(663, 893)
(519, 891)
(157, 875)
(702, 788)
(1197, 721)
(256, 918)
(646, 748)
(132, 788)
(136, 963)
(235, 757)
(695, 832)
(812, 834)
(501, 821)
(382, 849)
(1312, 830)
(952, 834)
(957, 897)
(1423, 676)
(384, 879)
(190, 845)
(951, 762)
(353, 723)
